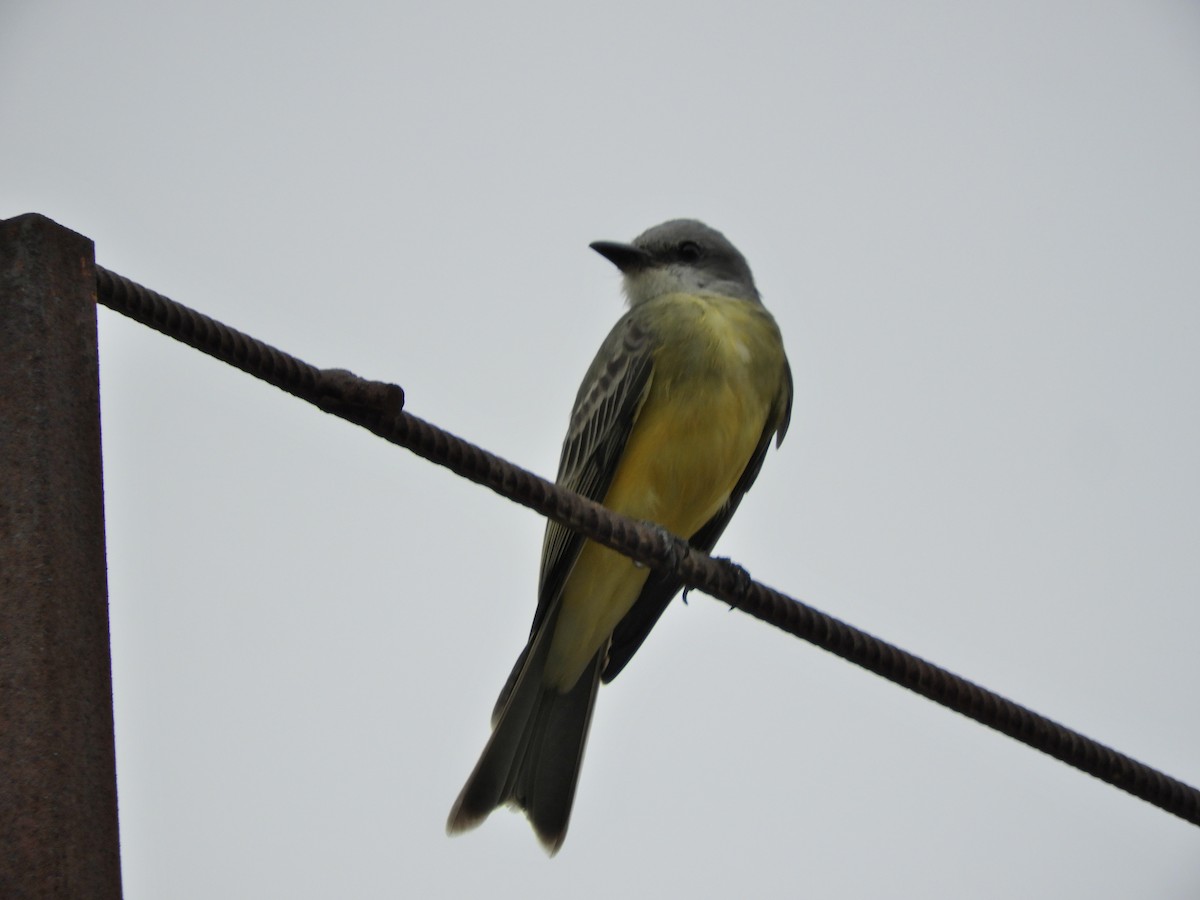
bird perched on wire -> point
(670, 426)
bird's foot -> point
(735, 576)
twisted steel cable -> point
(379, 408)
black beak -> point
(625, 257)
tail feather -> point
(533, 757)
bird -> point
(670, 426)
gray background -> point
(979, 228)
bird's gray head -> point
(680, 256)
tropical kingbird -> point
(670, 426)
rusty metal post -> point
(58, 786)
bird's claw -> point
(741, 580)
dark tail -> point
(533, 756)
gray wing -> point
(661, 587)
(608, 402)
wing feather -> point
(606, 407)
(612, 394)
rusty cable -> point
(378, 407)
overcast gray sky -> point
(978, 226)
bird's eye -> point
(690, 252)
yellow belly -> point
(689, 446)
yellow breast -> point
(716, 374)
